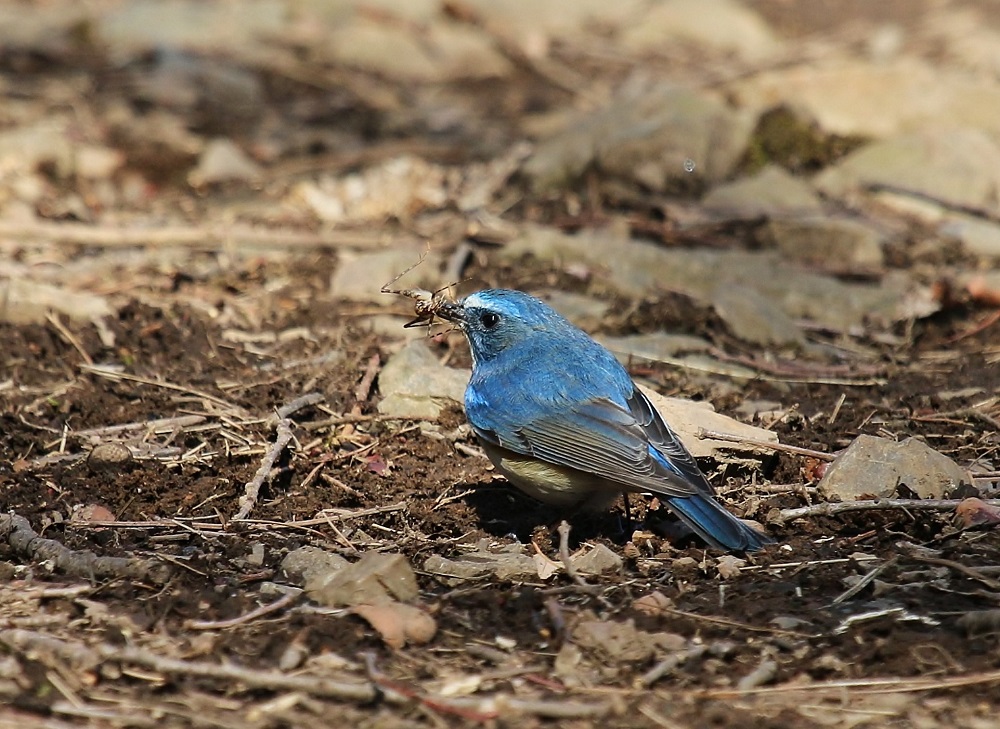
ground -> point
(779, 642)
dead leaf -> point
(398, 623)
(976, 512)
(729, 566)
(653, 604)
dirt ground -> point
(779, 642)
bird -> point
(562, 419)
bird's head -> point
(495, 320)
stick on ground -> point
(17, 531)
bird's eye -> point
(489, 319)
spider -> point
(427, 304)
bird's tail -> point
(715, 525)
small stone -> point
(307, 565)
(755, 318)
(505, 566)
(832, 242)
(772, 192)
(415, 385)
(377, 578)
(223, 161)
(877, 467)
(597, 561)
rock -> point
(960, 167)
(377, 578)
(856, 97)
(360, 276)
(729, 566)
(309, 565)
(508, 565)
(415, 385)
(530, 24)
(723, 26)
(582, 310)
(26, 148)
(772, 192)
(655, 346)
(755, 318)
(399, 188)
(132, 28)
(645, 136)
(23, 301)
(635, 267)
(832, 242)
(223, 161)
(622, 642)
(877, 467)
(978, 236)
(438, 52)
(597, 561)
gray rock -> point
(582, 310)
(438, 52)
(874, 466)
(597, 561)
(306, 565)
(223, 161)
(646, 136)
(415, 385)
(755, 318)
(723, 26)
(635, 268)
(360, 276)
(530, 24)
(978, 236)
(772, 192)
(375, 579)
(834, 242)
(135, 27)
(877, 100)
(655, 346)
(959, 167)
(509, 565)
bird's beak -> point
(451, 311)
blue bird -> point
(560, 417)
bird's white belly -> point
(551, 484)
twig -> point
(765, 444)
(115, 375)
(841, 507)
(69, 337)
(194, 237)
(364, 387)
(969, 572)
(863, 582)
(26, 640)
(289, 409)
(152, 426)
(283, 601)
(564, 556)
(17, 531)
(734, 623)
(252, 489)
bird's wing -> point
(630, 446)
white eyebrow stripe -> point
(473, 300)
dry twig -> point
(832, 508)
(17, 532)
